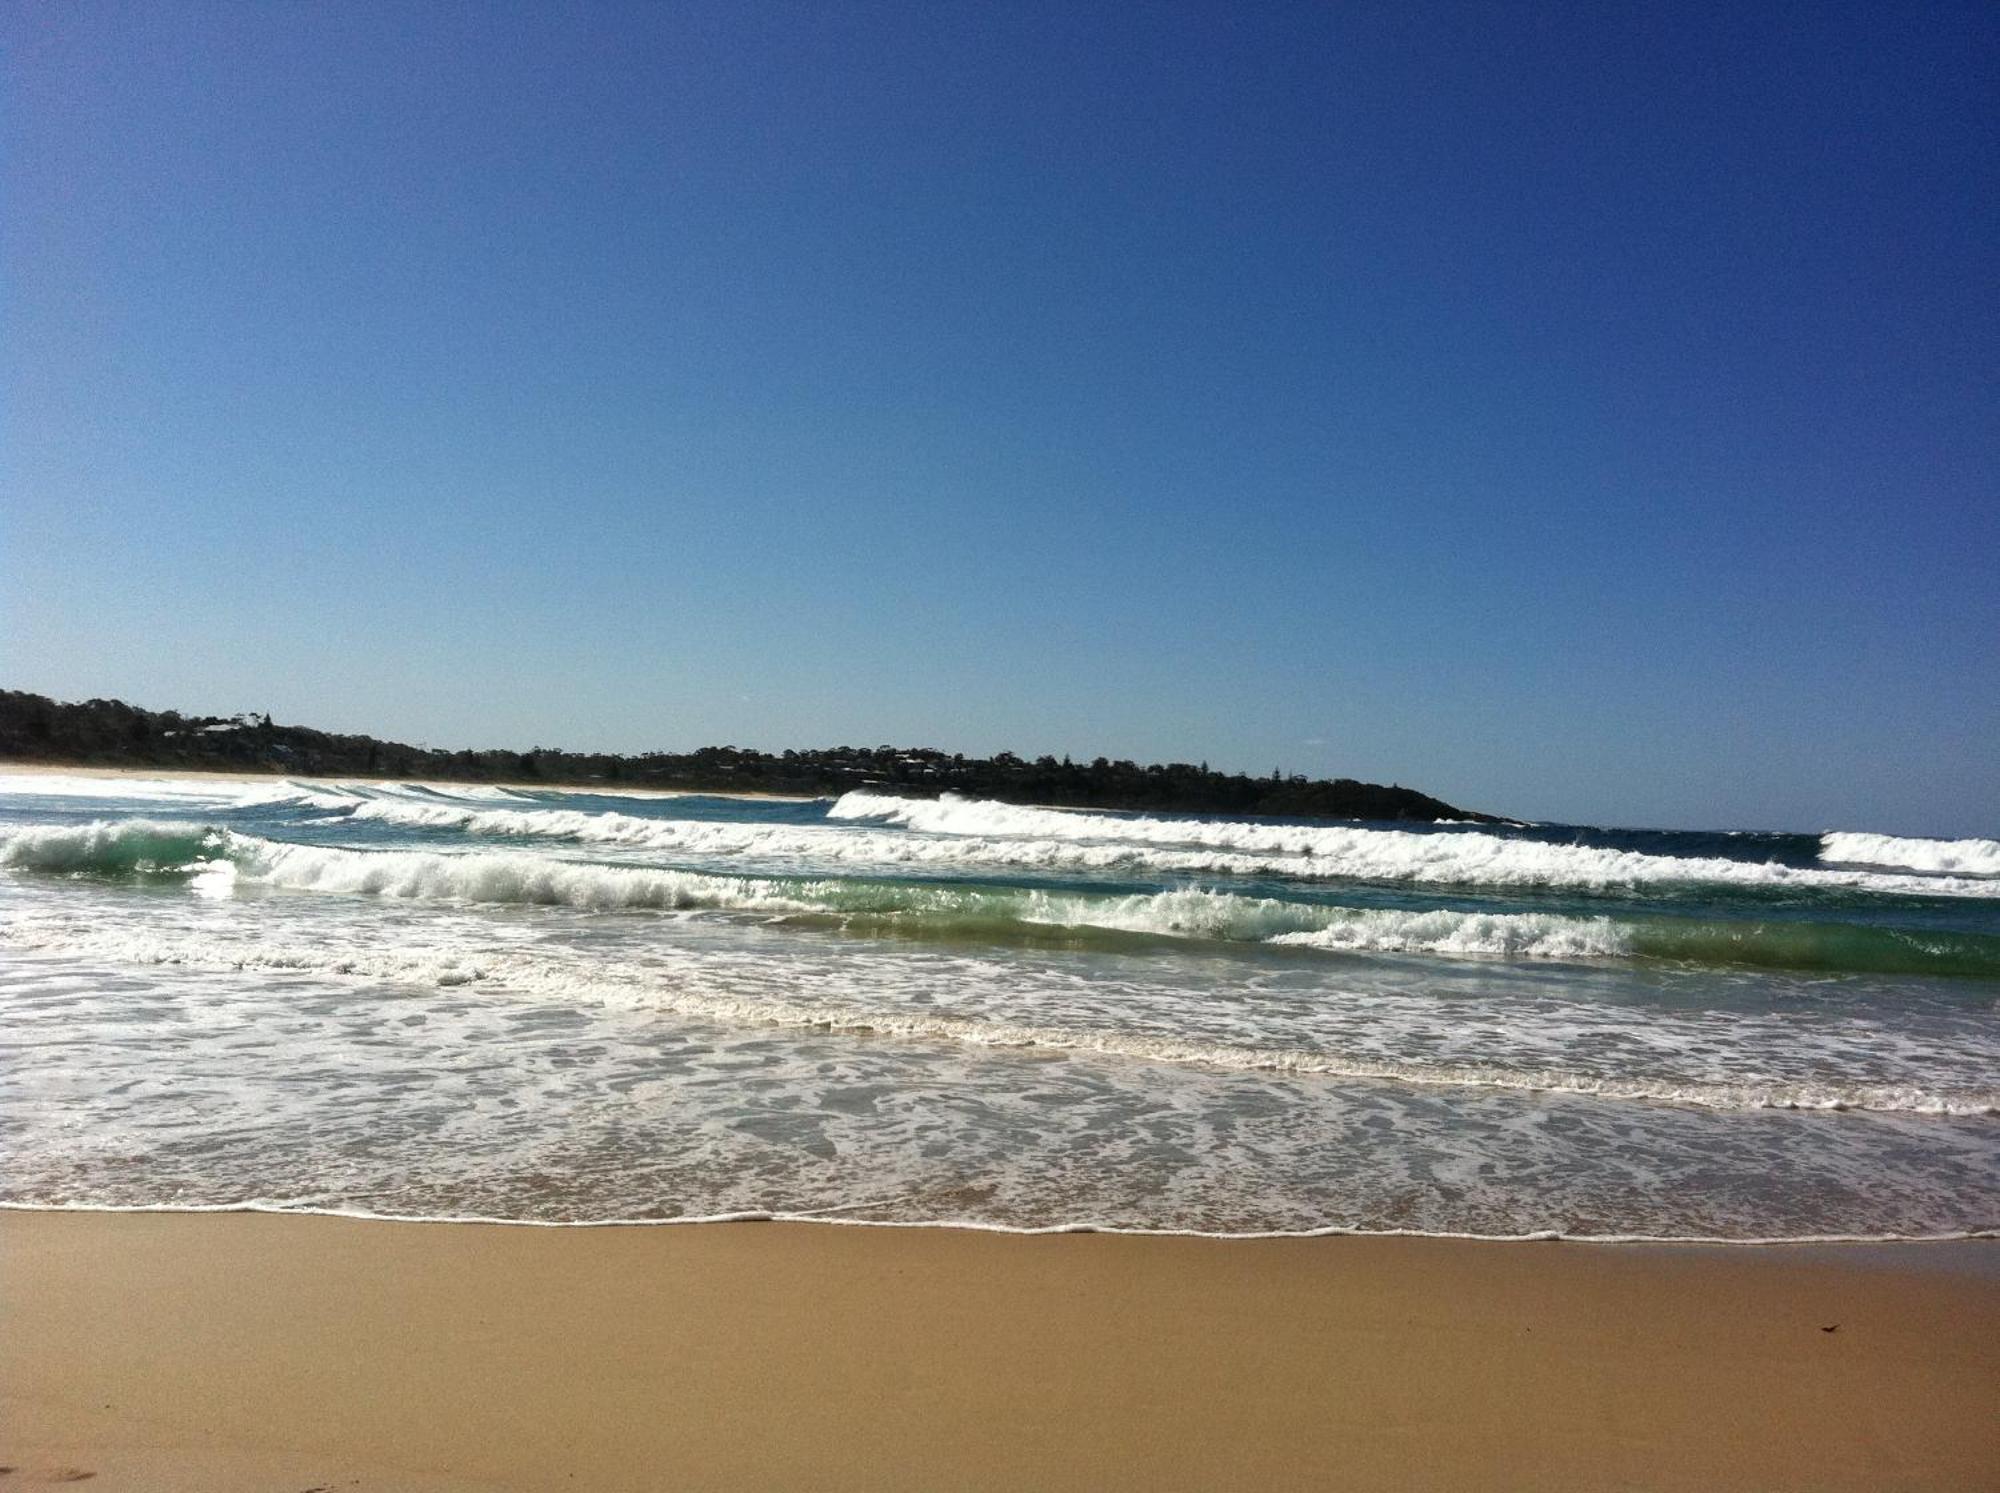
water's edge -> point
(976, 1226)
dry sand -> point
(223, 1352)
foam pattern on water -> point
(418, 1101)
(426, 1001)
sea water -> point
(565, 1007)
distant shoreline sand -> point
(239, 1351)
(200, 774)
(605, 790)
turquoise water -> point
(441, 1001)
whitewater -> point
(428, 1000)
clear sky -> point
(1576, 412)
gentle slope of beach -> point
(220, 1352)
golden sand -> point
(237, 1351)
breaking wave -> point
(1952, 857)
(1463, 857)
(216, 858)
(1060, 841)
(121, 847)
(219, 790)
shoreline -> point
(178, 774)
(260, 1351)
(830, 1218)
(254, 774)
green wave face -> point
(1832, 948)
(946, 912)
(1826, 948)
(129, 848)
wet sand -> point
(236, 1351)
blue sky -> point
(1577, 412)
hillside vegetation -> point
(110, 733)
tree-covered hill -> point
(110, 733)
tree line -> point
(111, 733)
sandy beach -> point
(906, 748)
(163, 1351)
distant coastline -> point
(113, 734)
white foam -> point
(1201, 913)
(120, 787)
(241, 791)
(815, 845)
(827, 1216)
(93, 846)
(469, 792)
(286, 793)
(1442, 931)
(1955, 857)
(690, 993)
(220, 858)
(959, 833)
(503, 878)
(419, 1044)
(1464, 857)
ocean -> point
(556, 1007)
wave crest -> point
(215, 858)
(1948, 857)
(1529, 935)
(109, 847)
(1350, 852)
(1060, 841)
